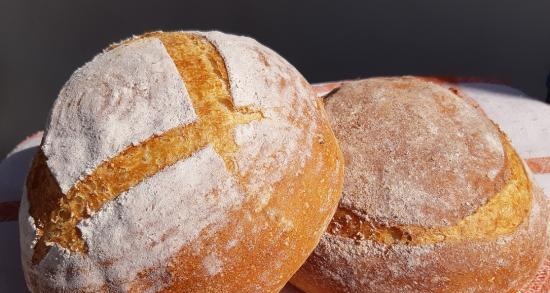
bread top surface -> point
(416, 153)
(206, 121)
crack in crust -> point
(203, 70)
(501, 215)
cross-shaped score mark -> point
(206, 80)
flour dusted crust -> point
(510, 108)
(256, 75)
(435, 198)
(196, 150)
(91, 121)
(123, 219)
(406, 132)
(504, 264)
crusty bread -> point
(179, 162)
(435, 198)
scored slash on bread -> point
(209, 93)
(173, 160)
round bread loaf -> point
(179, 162)
(435, 198)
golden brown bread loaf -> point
(435, 199)
(179, 162)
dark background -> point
(43, 42)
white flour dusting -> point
(126, 95)
(261, 79)
(415, 152)
(145, 226)
(121, 97)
